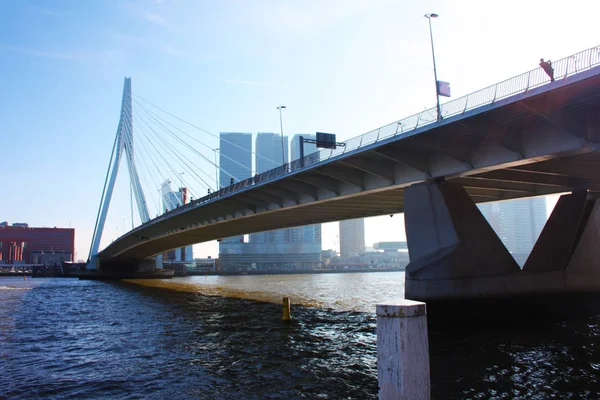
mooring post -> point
(403, 351)
(287, 309)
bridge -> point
(522, 137)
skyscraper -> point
(235, 157)
(283, 249)
(521, 222)
(268, 156)
(268, 151)
(491, 212)
(170, 201)
(309, 235)
(352, 237)
(310, 149)
(235, 161)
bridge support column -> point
(126, 269)
(455, 254)
(570, 243)
(450, 244)
(557, 241)
(583, 270)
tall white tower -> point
(170, 201)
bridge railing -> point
(519, 84)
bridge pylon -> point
(123, 145)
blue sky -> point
(339, 66)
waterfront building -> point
(21, 244)
(520, 224)
(171, 200)
(202, 266)
(390, 247)
(235, 162)
(352, 237)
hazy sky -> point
(339, 66)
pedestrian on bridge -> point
(547, 67)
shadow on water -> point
(245, 345)
(530, 347)
(527, 347)
(73, 339)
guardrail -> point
(563, 68)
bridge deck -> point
(543, 141)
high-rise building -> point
(352, 237)
(235, 157)
(235, 162)
(310, 149)
(518, 223)
(310, 235)
(491, 212)
(283, 249)
(521, 222)
(268, 151)
(268, 156)
(170, 201)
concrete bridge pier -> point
(127, 268)
(455, 254)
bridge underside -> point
(537, 143)
(580, 171)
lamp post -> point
(216, 169)
(437, 95)
(281, 130)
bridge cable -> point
(205, 131)
(175, 153)
(180, 162)
(202, 143)
(190, 148)
(165, 162)
(145, 164)
(144, 171)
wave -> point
(13, 288)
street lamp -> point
(437, 95)
(281, 127)
(216, 169)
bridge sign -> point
(325, 140)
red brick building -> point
(29, 245)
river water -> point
(222, 338)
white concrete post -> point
(402, 351)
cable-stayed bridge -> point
(522, 137)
